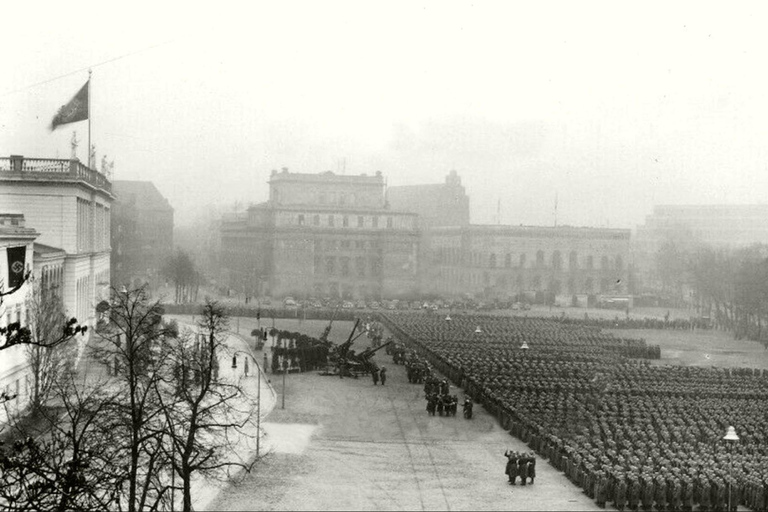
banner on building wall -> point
(16, 266)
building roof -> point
(143, 194)
(43, 249)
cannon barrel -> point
(370, 351)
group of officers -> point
(521, 465)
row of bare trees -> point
(134, 429)
(730, 286)
(180, 269)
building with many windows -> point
(347, 236)
(322, 235)
(502, 262)
(69, 205)
(16, 248)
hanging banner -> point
(16, 266)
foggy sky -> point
(610, 107)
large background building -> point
(328, 235)
(142, 233)
(723, 226)
(322, 235)
(536, 262)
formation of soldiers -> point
(522, 465)
(676, 324)
(299, 351)
(630, 433)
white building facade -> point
(69, 205)
(14, 377)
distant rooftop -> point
(326, 177)
(143, 194)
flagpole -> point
(89, 119)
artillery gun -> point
(345, 363)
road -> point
(345, 444)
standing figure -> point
(511, 469)
(383, 375)
(468, 408)
(375, 376)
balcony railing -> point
(51, 169)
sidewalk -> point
(244, 448)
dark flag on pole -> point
(16, 257)
(75, 110)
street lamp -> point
(258, 398)
(730, 437)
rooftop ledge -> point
(51, 169)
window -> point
(590, 263)
(389, 222)
(522, 261)
(301, 219)
(316, 220)
(330, 220)
(604, 263)
(539, 258)
(360, 221)
(344, 266)
(492, 261)
(557, 260)
(573, 261)
(375, 221)
(508, 260)
(619, 262)
(330, 265)
(345, 221)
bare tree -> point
(132, 346)
(47, 363)
(65, 461)
(205, 412)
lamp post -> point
(730, 437)
(258, 398)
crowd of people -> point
(628, 432)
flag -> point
(16, 256)
(75, 110)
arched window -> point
(539, 258)
(557, 261)
(573, 261)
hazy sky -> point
(613, 107)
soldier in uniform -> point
(620, 492)
(647, 496)
(383, 375)
(511, 469)
(522, 468)
(375, 376)
(601, 488)
(633, 498)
